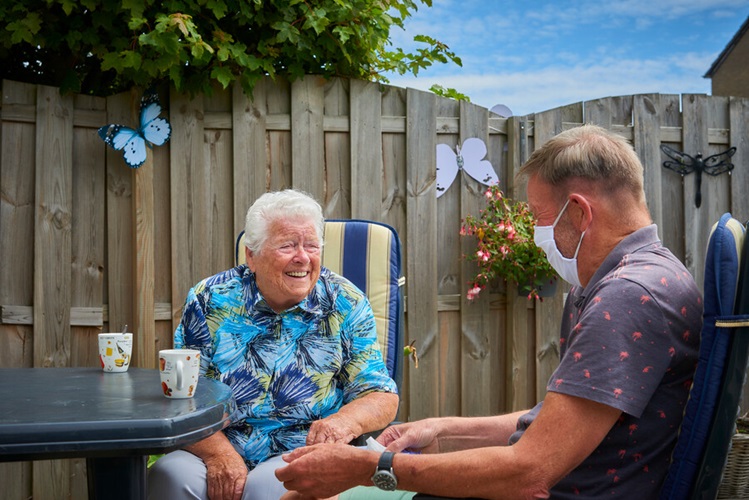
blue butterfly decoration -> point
(152, 130)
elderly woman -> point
(297, 345)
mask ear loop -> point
(560, 213)
(578, 245)
(577, 250)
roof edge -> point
(727, 50)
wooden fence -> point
(87, 244)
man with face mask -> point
(629, 344)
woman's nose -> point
(301, 255)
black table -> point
(114, 420)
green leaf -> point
(25, 29)
(68, 6)
(223, 75)
(218, 7)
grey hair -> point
(277, 205)
(588, 152)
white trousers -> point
(181, 475)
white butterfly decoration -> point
(152, 130)
(468, 158)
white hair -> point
(278, 205)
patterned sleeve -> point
(192, 331)
(364, 370)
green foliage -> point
(102, 47)
(449, 92)
(152, 459)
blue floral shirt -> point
(286, 370)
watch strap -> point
(386, 461)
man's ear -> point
(584, 214)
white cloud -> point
(537, 56)
(550, 87)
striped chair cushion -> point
(368, 254)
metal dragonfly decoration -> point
(685, 164)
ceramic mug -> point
(179, 370)
(115, 351)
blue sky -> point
(536, 55)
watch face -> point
(385, 480)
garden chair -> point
(368, 253)
(710, 416)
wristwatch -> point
(384, 478)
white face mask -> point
(543, 237)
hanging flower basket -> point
(505, 247)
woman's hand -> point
(226, 471)
(336, 428)
(225, 475)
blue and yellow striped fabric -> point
(368, 254)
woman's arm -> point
(225, 469)
(371, 412)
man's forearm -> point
(464, 433)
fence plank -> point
(52, 249)
(672, 190)
(393, 103)
(191, 210)
(143, 325)
(480, 346)
(421, 267)
(598, 112)
(121, 108)
(451, 286)
(250, 155)
(695, 113)
(647, 144)
(739, 111)
(162, 243)
(339, 165)
(278, 99)
(17, 189)
(52, 238)
(88, 230)
(307, 137)
(716, 190)
(520, 371)
(366, 150)
(217, 179)
(393, 158)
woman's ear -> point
(248, 258)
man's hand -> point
(418, 436)
(324, 470)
